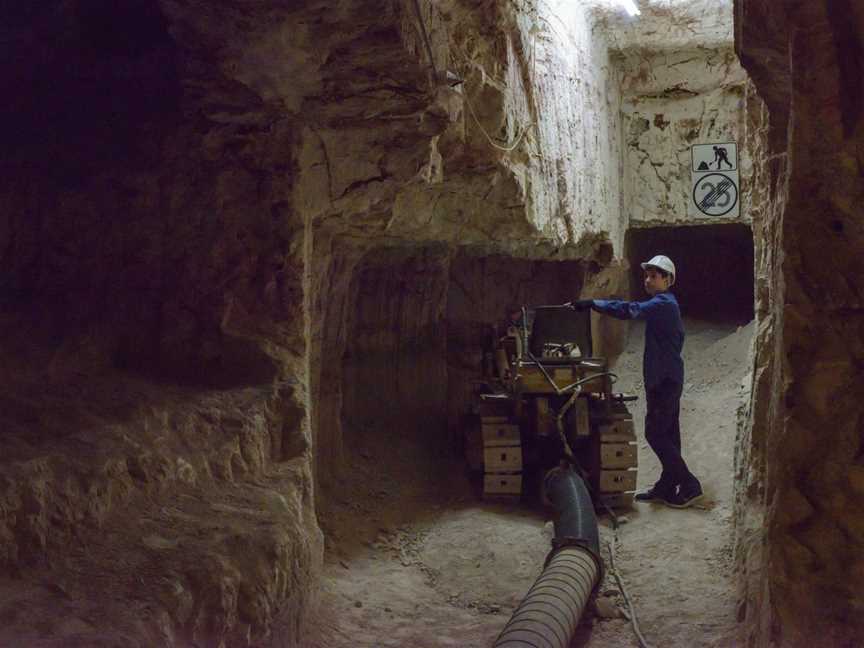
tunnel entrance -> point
(409, 354)
(409, 533)
(714, 263)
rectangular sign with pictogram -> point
(715, 183)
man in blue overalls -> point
(663, 370)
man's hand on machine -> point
(580, 304)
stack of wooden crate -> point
(618, 461)
(502, 458)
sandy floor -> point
(412, 561)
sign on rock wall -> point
(714, 173)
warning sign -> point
(715, 194)
(715, 180)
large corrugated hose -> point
(550, 611)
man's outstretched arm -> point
(618, 308)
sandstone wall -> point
(201, 205)
(532, 155)
(522, 154)
(674, 99)
(395, 359)
(573, 174)
(800, 468)
(520, 159)
(156, 462)
(671, 25)
(681, 84)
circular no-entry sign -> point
(715, 194)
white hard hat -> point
(662, 262)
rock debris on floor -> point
(414, 558)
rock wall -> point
(519, 159)
(801, 461)
(395, 359)
(572, 177)
(206, 211)
(673, 99)
(152, 304)
(681, 84)
(670, 25)
(521, 154)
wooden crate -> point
(500, 434)
(618, 455)
(544, 418)
(474, 446)
(617, 481)
(502, 484)
(579, 418)
(502, 459)
(494, 419)
(497, 407)
(532, 380)
(617, 500)
(617, 431)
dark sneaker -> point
(684, 498)
(653, 494)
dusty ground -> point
(413, 560)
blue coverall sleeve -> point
(627, 309)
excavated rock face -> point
(801, 464)
(674, 99)
(519, 160)
(681, 85)
(220, 223)
(156, 462)
(235, 234)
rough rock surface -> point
(226, 228)
(672, 25)
(518, 160)
(673, 99)
(801, 458)
(198, 202)
(681, 84)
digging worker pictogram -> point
(663, 370)
(720, 155)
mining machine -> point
(545, 399)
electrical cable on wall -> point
(506, 149)
(522, 129)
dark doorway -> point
(714, 264)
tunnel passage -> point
(714, 264)
(411, 342)
(394, 373)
